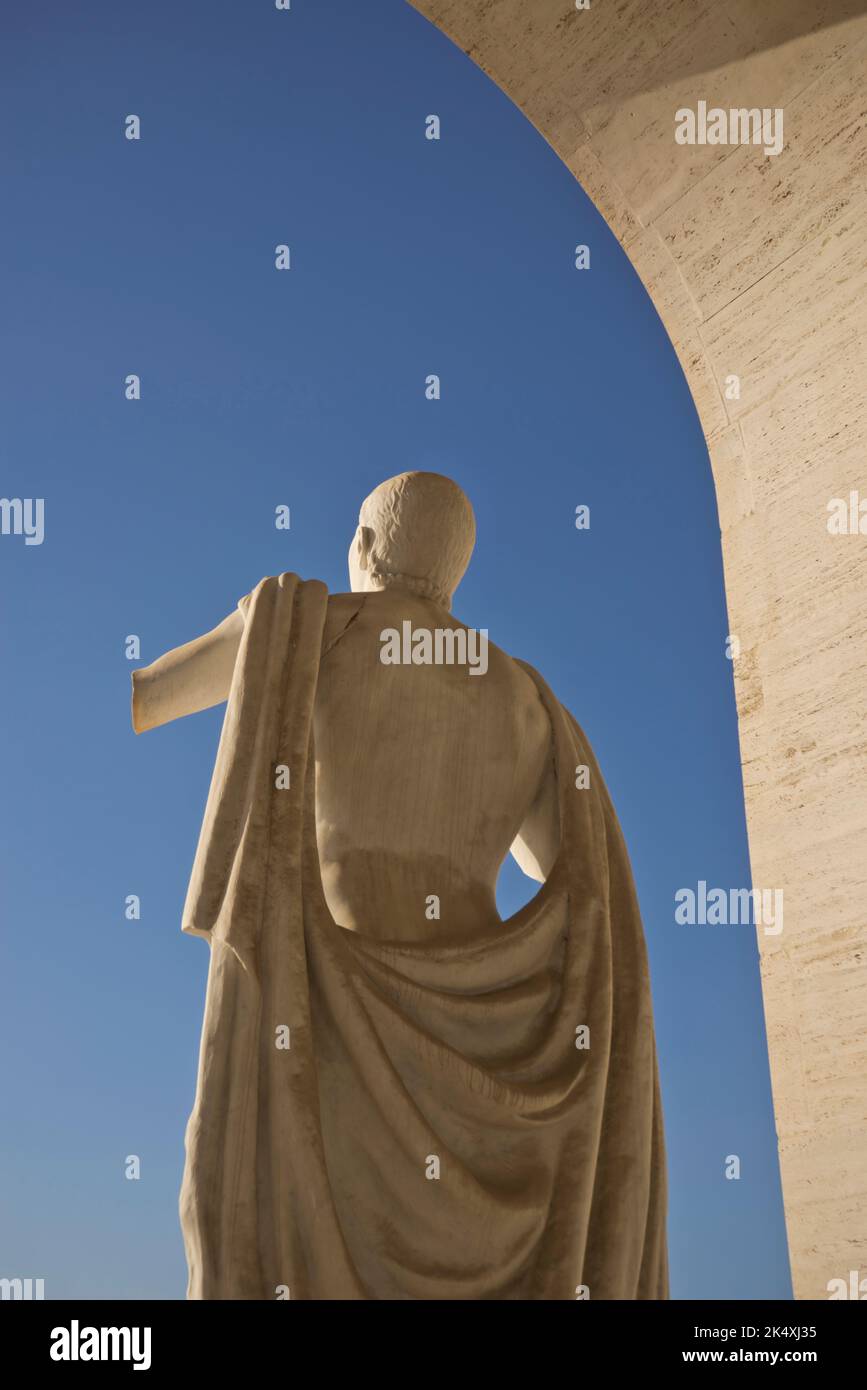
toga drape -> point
(389, 1121)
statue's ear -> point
(364, 544)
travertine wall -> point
(758, 268)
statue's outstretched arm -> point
(188, 678)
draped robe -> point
(436, 1127)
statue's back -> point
(424, 773)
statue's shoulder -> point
(535, 695)
(520, 674)
(340, 611)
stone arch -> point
(756, 265)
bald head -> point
(416, 530)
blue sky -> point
(306, 388)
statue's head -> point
(416, 531)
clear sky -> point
(306, 388)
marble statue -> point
(400, 1095)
